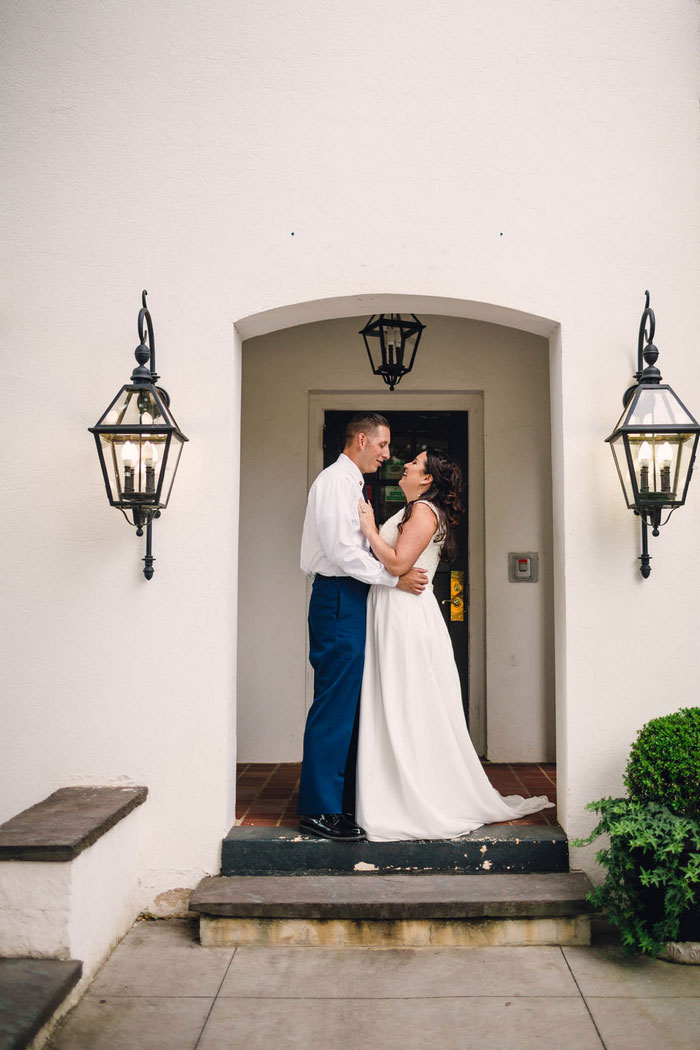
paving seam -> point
(206, 1019)
(573, 976)
(529, 793)
(150, 995)
(386, 998)
(548, 776)
(633, 995)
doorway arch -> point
(292, 314)
(286, 318)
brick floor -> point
(266, 793)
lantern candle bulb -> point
(399, 347)
(644, 460)
(150, 458)
(129, 459)
(665, 457)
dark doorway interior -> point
(411, 433)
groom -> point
(335, 552)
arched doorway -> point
(301, 360)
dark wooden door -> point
(411, 433)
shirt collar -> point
(353, 471)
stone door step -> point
(501, 848)
(31, 990)
(392, 896)
(393, 910)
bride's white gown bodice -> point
(418, 775)
(430, 557)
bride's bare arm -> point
(413, 538)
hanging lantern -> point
(654, 442)
(139, 443)
(392, 341)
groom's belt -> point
(344, 579)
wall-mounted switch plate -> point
(523, 568)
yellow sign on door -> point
(456, 598)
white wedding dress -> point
(418, 775)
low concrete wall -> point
(73, 909)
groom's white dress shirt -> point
(332, 543)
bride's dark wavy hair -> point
(445, 492)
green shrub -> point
(652, 887)
(664, 763)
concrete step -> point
(497, 848)
(397, 910)
(63, 825)
(31, 990)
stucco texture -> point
(236, 159)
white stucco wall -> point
(510, 369)
(235, 158)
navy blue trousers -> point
(337, 620)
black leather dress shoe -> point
(332, 826)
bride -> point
(418, 775)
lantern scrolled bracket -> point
(647, 353)
(139, 443)
(654, 442)
(145, 315)
(647, 327)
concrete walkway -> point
(161, 991)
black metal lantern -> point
(139, 443)
(654, 442)
(395, 342)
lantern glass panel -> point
(171, 463)
(684, 467)
(137, 406)
(409, 347)
(658, 406)
(674, 458)
(618, 446)
(661, 465)
(133, 462)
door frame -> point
(471, 401)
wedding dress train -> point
(418, 774)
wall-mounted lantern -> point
(394, 340)
(139, 443)
(654, 442)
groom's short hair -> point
(363, 423)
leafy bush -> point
(664, 763)
(652, 887)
